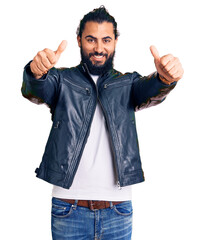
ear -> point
(79, 41)
(116, 41)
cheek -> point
(110, 49)
(87, 49)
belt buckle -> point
(92, 204)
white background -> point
(170, 204)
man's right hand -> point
(46, 59)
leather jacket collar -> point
(84, 70)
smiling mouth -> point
(98, 56)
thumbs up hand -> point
(169, 67)
(46, 59)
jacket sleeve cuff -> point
(30, 74)
(163, 82)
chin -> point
(98, 64)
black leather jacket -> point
(72, 96)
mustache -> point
(98, 54)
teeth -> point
(98, 56)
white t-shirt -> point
(95, 178)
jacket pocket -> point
(117, 83)
(82, 89)
(50, 149)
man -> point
(92, 154)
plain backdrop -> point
(170, 203)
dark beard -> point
(96, 69)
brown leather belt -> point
(90, 203)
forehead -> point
(98, 30)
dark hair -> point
(98, 15)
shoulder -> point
(65, 71)
(131, 75)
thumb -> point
(155, 53)
(61, 48)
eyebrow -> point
(90, 36)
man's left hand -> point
(169, 67)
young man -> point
(92, 154)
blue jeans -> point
(80, 223)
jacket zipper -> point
(115, 161)
(106, 85)
(84, 89)
(113, 83)
(74, 172)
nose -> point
(99, 47)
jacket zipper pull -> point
(88, 91)
(57, 125)
(118, 184)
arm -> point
(169, 67)
(40, 79)
(152, 90)
(149, 91)
(42, 90)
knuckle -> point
(169, 56)
(176, 60)
(39, 53)
(32, 65)
(35, 59)
(52, 59)
(172, 77)
(47, 50)
(166, 69)
(163, 61)
(47, 64)
(50, 55)
(176, 76)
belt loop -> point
(90, 204)
(111, 204)
(75, 204)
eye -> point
(90, 40)
(107, 40)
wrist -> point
(164, 80)
(37, 76)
